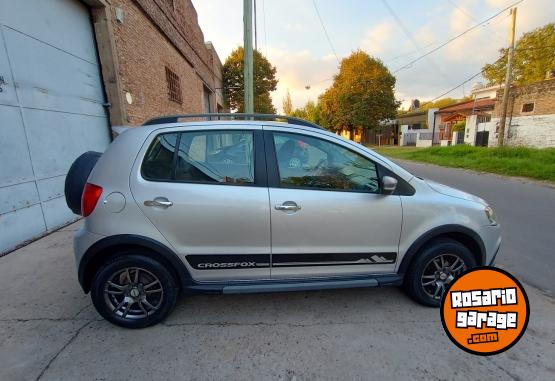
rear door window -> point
(224, 157)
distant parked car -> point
(260, 205)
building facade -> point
(530, 118)
(468, 112)
(416, 128)
(72, 70)
(163, 63)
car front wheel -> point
(435, 267)
(134, 291)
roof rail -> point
(229, 116)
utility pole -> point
(508, 78)
(248, 57)
(255, 28)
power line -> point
(462, 10)
(465, 81)
(456, 87)
(409, 36)
(456, 37)
(325, 31)
(482, 71)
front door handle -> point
(288, 206)
(159, 201)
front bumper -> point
(491, 236)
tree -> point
(534, 55)
(310, 111)
(287, 104)
(264, 82)
(361, 96)
(459, 126)
(439, 103)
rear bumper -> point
(82, 241)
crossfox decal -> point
(225, 265)
(231, 261)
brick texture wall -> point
(542, 94)
(156, 34)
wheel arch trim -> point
(101, 251)
(444, 230)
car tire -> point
(435, 266)
(134, 291)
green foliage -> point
(459, 126)
(362, 94)
(439, 103)
(264, 82)
(512, 161)
(287, 104)
(534, 56)
(310, 111)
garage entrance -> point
(51, 111)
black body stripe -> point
(228, 261)
(233, 261)
(332, 259)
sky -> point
(290, 34)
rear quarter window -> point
(158, 161)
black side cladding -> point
(77, 178)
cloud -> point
(298, 69)
(378, 38)
(297, 47)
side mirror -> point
(389, 184)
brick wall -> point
(542, 94)
(532, 129)
(156, 34)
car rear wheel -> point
(134, 291)
(435, 267)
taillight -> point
(90, 197)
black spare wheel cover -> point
(77, 178)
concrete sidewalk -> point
(50, 331)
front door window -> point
(312, 163)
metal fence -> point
(409, 138)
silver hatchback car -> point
(261, 203)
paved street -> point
(526, 212)
(50, 331)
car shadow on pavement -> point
(300, 308)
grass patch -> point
(511, 161)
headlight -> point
(490, 214)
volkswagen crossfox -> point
(261, 203)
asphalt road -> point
(526, 212)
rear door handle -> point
(159, 201)
(288, 206)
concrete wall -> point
(529, 131)
(470, 130)
(532, 131)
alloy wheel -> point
(133, 293)
(439, 272)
